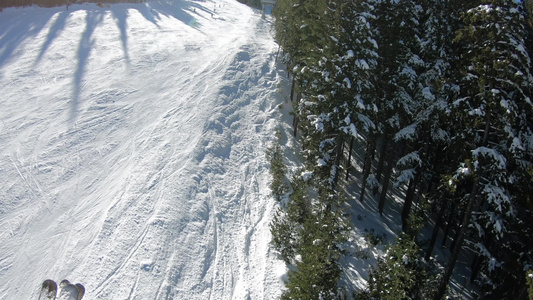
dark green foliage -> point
(284, 235)
(530, 284)
(402, 273)
(316, 270)
(288, 221)
(277, 169)
(451, 122)
(491, 127)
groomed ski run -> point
(133, 150)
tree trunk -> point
(382, 155)
(457, 232)
(475, 267)
(523, 294)
(295, 120)
(435, 233)
(487, 128)
(349, 161)
(292, 88)
(455, 253)
(370, 149)
(385, 185)
(409, 196)
(338, 156)
(448, 224)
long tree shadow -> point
(54, 31)
(147, 12)
(179, 10)
(84, 50)
(121, 17)
(17, 28)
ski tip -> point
(64, 282)
(81, 290)
(48, 290)
(50, 284)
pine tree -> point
(288, 220)
(426, 136)
(433, 130)
(530, 284)
(317, 270)
(399, 64)
(401, 273)
(277, 168)
(454, 121)
(492, 129)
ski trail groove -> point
(102, 285)
(147, 164)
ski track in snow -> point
(132, 155)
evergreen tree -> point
(492, 130)
(424, 139)
(317, 270)
(399, 66)
(401, 273)
(337, 102)
(286, 224)
(277, 168)
(530, 284)
(453, 119)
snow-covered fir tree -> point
(492, 137)
(450, 121)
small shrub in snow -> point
(374, 239)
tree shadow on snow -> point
(17, 29)
(147, 12)
(183, 11)
(54, 31)
(92, 19)
(121, 17)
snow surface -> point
(132, 150)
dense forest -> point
(436, 95)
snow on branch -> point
(496, 196)
(483, 251)
(404, 177)
(367, 123)
(499, 160)
(427, 94)
(362, 64)
(411, 159)
(407, 133)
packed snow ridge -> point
(132, 155)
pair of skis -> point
(66, 290)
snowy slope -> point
(132, 150)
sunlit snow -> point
(132, 155)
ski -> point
(68, 291)
(48, 290)
(81, 290)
